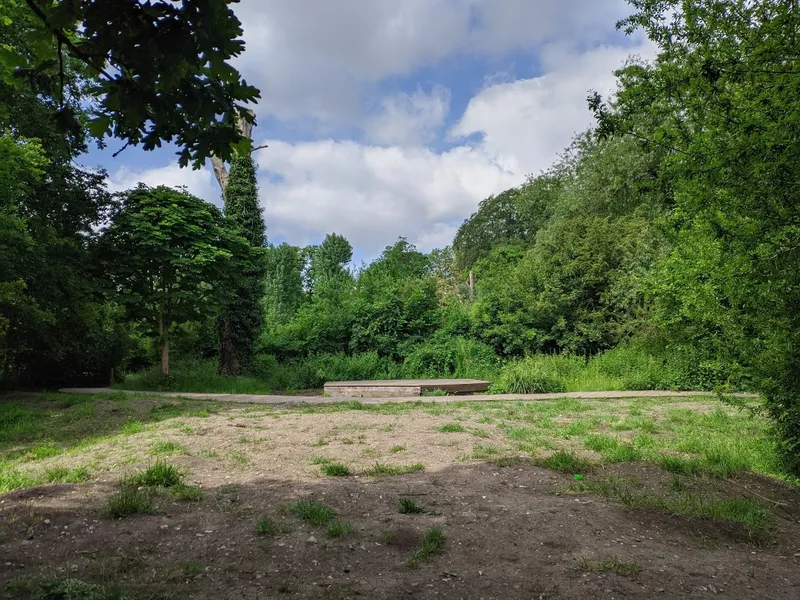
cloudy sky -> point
(389, 118)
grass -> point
(482, 451)
(335, 470)
(267, 526)
(452, 428)
(313, 513)
(756, 518)
(129, 501)
(382, 469)
(432, 544)
(397, 449)
(240, 458)
(67, 589)
(168, 449)
(564, 462)
(434, 393)
(161, 474)
(611, 449)
(187, 493)
(337, 529)
(611, 565)
(409, 506)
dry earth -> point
(512, 530)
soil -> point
(510, 531)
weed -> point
(564, 462)
(611, 449)
(240, 458)
(314, 513)
(679, 465)
(434, 393)
(432, 544)
(319, 460)
(187, 493)
(320, 442)
(168, 448)
(611, 565)
(338, 529)
(269, 527)
(482, 451)
(345, 441)
(66, 475)
(371, 453)
(160, 474)
(398, 449)
(41, 452)
(192, 568)
(129, 501)
(481, 433)
(381, 469)
(335, 470)
(452, 428)
(408, 506)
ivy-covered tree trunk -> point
(241, 317)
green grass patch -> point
(432, 544)
(319, 460)
(611, 565)
(168, 449)
(382, 469)
(161, 474)
(338, 529)
(397, 449)
(335, 470)
(66, 475)
(187, 493)
(313, 513)
(611, 449)
(409, 506)
(564, 462)
(40, 452)
(269, 527)
(452, 428)
(484, 451)
(129, 501)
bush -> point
(531, 376)
(445, 356)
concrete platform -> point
(402, 388)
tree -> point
(722, 101)
(328, 262)
(241, 317)
(153, 72)
(171, 258)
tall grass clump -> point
(536, 374)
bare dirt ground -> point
(512, 530)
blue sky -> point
(389, 118)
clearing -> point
(119, 495)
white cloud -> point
(317, 58)
(372, 194)
(201, 182)
(525, 123)
(409, 119)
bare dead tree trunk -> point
(245, 127)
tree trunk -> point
(228, 361)
(165, 358)
(164, 345)
(220, 170)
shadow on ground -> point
(510, 532)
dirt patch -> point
(510, 531)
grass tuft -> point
(432, 544)
(268, 526)
(129, 501)
(382, 469)
(160, 474)
(314, 513)
(611, 565)
(335, 470)
(452, 428)
(564, 462)
(338, 529)
(408, 506)
(168, 449)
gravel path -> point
(278, 400)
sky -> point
(389, 118)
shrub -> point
(529, 376)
